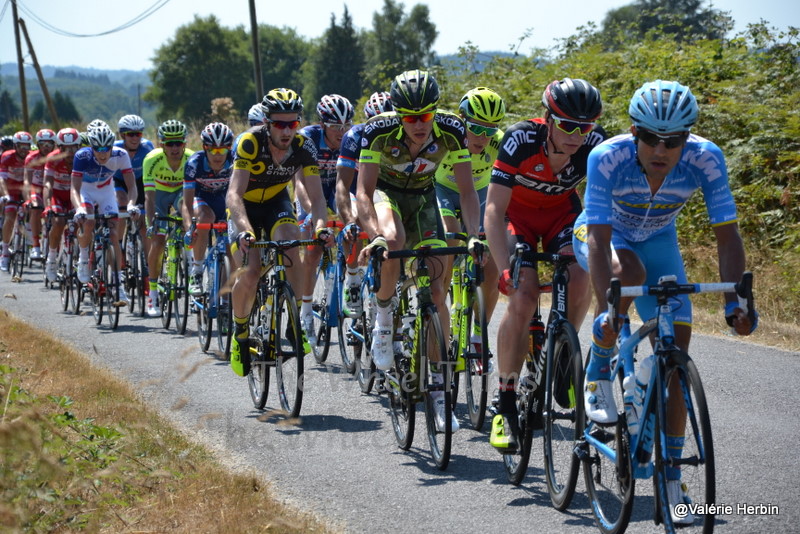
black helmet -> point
(414, 91)
(281, 100)
(573, 99)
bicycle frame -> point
(212, 263)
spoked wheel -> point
(517, 464)
(365, 369)
(133, 270)
(476, 372)
(261, 355)
(181, 292)
(402, 406)
(111, 287)
(77, 288)
(321, 310)
(289, 353)
(224, 309)
(609, 480)
(563, 416)
(64, 279)
(19, 246)
(432, 343)
(697, 468)
(204, 322)
(167, 291)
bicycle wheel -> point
(133, 271)
(200, 306)
(696, 463)
(19, 246)
(517, 464)
(111, 286)
(140, 280)
(476, 377)
(224, 311)
(609, 478)
(166, 286)
(261, 353)
(563, 415)
(321, 308)
(64, 278)
(181, 292)
(365, 369)
(350, 330)
(432, 343)
(289, 353)
(78, 289)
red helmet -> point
(45, 134)
(68, 137)
(23, 138)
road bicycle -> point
(44, 241)
(135, 266)
(325, 303)
(614, 456)
(66, 276)
(103, 285)
(19, 244)
(549, 392)
(468, 314)
(173, 283)
(420, 351)
(276, 337)
(215, 302)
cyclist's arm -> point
(344, 179)
(26, 182)
(301, 194)
(130, 183)
(188, 202)
(494, 223)
(470, 206)
(75, 190)
(600, 267)
(234, 200)
(731, 266)
(367, 180)
(311, 186)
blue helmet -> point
(663, 107)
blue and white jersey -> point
(137, 160)
(617, 191)
(350, 151)
(326, 158)
(86, 166)
(197, 174)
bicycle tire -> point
(19, 246)
(165, 286)
(365, 369)
(140, 280)
(516, 464)
(289, 353)
(64, 278)
(75, 284)
(132, 269)
(205, 324)
(261, 354)
(224, 308)
(97, 269)
(440, 441)
(563, 415)
(350, 328)
(697, 466)
(476, 377)
(321, 311)
(111, 286)
(181, 293)
(611, 503)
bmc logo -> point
(518, 138)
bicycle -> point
(135, 266)
(103, 286)
(173, 284)
(44, 241)
(418, 336)
(275, 312)
(549, 394)
(66, 276)
(325, 304)
(614, 456)
(467, 309)
(214, 301)
(19, 243)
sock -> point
(4, 252)
(599, 367)
(120, 276)
(84, 255)
(52, 254)
(352, 278)
(153, 286)
(305, 309)
(383, 316)
(508, 397)
(674, 450)
(241, 327)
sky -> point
(491, 25)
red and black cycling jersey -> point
(522, 164)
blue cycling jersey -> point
(138, 158)
(86, 166)
(197, 174)
(617, 191)
(326, 159)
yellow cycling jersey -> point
(268, 177)
(158, 175)
(481, 165)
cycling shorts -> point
(449, 202)
(215, 201)
(417, 211)
(164, 201)
(103, 197)
(552, 226)
(264, 217)
(119, 185)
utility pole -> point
(256, 53)
(42, 83)
(22, 94)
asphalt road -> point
(341, 461)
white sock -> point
(383, 315)
(52, 254)
(306, 309)
(84, 255)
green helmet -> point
(483, 104)
(414, 91)
(172, 130)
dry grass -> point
(154, 479)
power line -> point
(137, 19)
(5, 6)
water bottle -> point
(408, 330)
(535, 337)
(642, 380)
(646, 427)
(631, 413)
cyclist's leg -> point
(37, 199)
(204, 213)
(449, 207)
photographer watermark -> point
(697, 509)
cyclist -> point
(6, 143)
(400, 154)
(34, 184)
(482, 110)
(12, 178)
(205, 184)
(163, 172)
(541, 162)
(266, 159)
(256, 115)
(637, 184)
(335, 114)
(346, 171)
(92, 176)
(131, 131)
(57, 181)
(97, 123)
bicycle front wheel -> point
(365, 369)
(165, 286)
(97, 266)
(19, 247)
(204, 320)
(321, 310)
(289, 353)
(111, 286)
(64, 277)
(477, 363)
(432, 346)
(696, 460)
(517, 464)
(224, 308)
(261, 353)
(75, 285)
(181, 292)
(563, 415)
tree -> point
(283, 53)
(202, 62)
(65, 107)
(398, 42)
(336, 64)
(8, 108)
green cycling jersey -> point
(481, 165)
(158, 175)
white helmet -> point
(131, 123)
(256, 115)
(101, 137)
(97, 123)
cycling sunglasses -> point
(133, 134)
(418, 117)
(570, 127)
(102, 149)
(216, 149)
(338, 126)
(652, 139)
(480, 129)
(174, 143)
(284, 125)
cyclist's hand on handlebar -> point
(324, 235)
(506, 283)
(80, 215)
(477, 250)
(133, 209)
(244, 239)
(738, 319)
(188, 238)
(378, 243)
(351, 231)
(603, 331)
